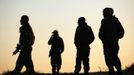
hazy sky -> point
(48, 15)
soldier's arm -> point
(91, 36)
(18, 45)
(101, 34)
(62, 47)
(50, 53)
(76, 38)
(17, 49)
(50, 41)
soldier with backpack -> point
(110, 32)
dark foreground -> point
(127, 71)
(94, 73)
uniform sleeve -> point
(91, 35)
(76, 37)
(62, 45)
(21, 37)
(50, 41)
(101, 30)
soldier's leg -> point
(58, 68)
(118, 65)
(53, 64)
(78, 65)
(28, 60)
(108, 53)
(117, 62)
(109, 63)
(86, 61)
(86, 65)
(53, 69)
(18, 67)
(59, 62)
(111, 69)
(29, 66)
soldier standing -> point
(110, 32)
(83, 38)
(57, 47)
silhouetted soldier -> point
(110, 32)
(26, 41)
(57, 47)
(83, 38)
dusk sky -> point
(62, 15)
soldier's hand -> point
(14, 53)
(17, 49)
